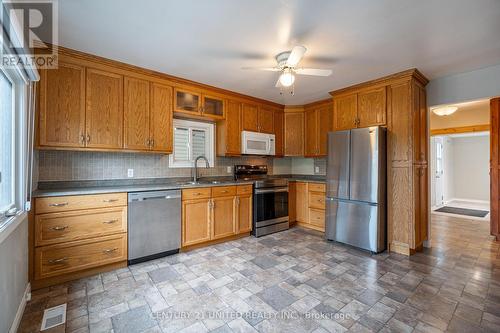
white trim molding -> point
(20, 309)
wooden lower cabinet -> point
(307, 204)
(195, 221)
(223, 217)
(76, 236)
(216, 213)
(244, 213)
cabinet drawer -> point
(316, 187)
(196, 193)
(54, 228)
(64, 258)
(223, 191)
(76, 202)
(244, 189)
(317, 200)
(317, 217)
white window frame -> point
(19, 142)
(209, 140)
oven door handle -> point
(271, 190)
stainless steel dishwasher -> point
(154, 224)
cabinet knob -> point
(88, 138)
(109, 200)
(110, 221)
(60, 228)
(110, 250)
(57, 261)
(62, 204)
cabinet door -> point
(213, 107)
(301, 209)
(345, 112)
(294, 134)
(233, 131)
(223, 217)
(292, 202)
(324, 117)
(372, 107)
(104, 113)
(186, 101)
(250, 117)
(278, 133)
(161, 118)
(311, 125)
(136, 114)
(62, 106)
(244, 209)
(266, 120)
(195, 221)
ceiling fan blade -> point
(313, 71)
(295, 56)
(269, 69)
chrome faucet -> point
(207, 165)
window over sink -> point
(192, 139)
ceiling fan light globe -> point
(287, 78)
(445, 110)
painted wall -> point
(13, 273)
(471, 167)
(463, 87)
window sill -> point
(11, 224)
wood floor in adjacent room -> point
(327, 287)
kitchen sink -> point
(201, 182)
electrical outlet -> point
(229, 169)
(130, 173)
(316, 169)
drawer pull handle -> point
(62, 204)
(223, 191)
(57, 261)
(110, 250)
(197, 193)
(110, 221)
(60, 228)
(110, 200)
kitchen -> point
(152, 187)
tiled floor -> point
(294, 281)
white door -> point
(438, 174)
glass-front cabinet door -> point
(213, 107)
(187, 101)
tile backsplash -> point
(75, 165)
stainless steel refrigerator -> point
(356, 188)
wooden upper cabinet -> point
(294, 134)
(161, 118)
(104, 109)
(212, 107)
(266, 120)
(279, 133)
(62, 106)
(372, 107)
(250, 117)
(187, 101)
(325, 122)
(136, 108)
(311, 137)
(345, 112)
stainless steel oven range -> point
(270, 199)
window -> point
(7, 168)
(192, 139)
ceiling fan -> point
(287, 64)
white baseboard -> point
(486, 202)
(20, 309)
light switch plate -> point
(316, 169)
(229, 169)
(130, 173)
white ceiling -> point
(209, 41)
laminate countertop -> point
(62, 188)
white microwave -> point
(254, 143)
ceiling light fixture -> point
(445, 110)
(287, 78)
